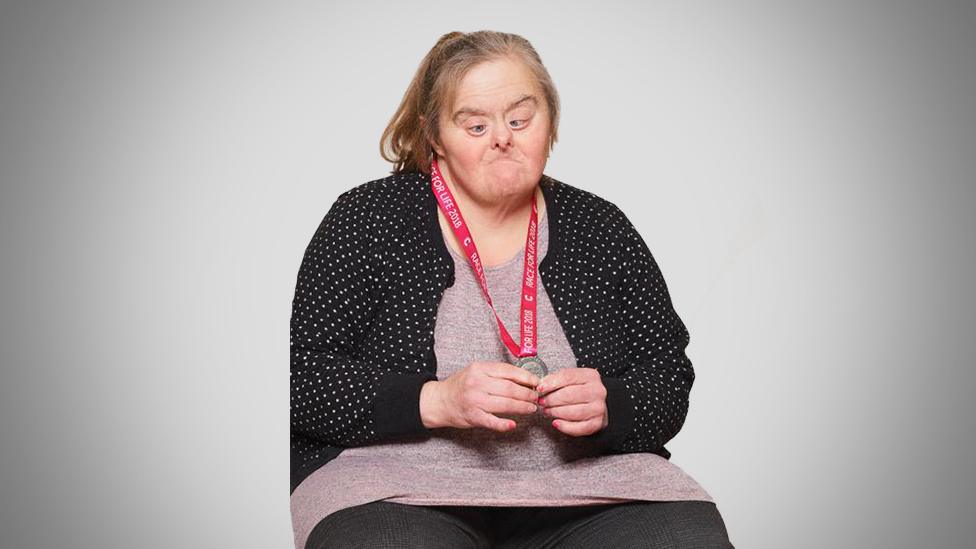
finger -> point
(550, 382)
(503, 405)
(566, 377)
(570, 394)
(512, 372)
(577, 428)
(510, 389)
(496, 423)
(575, 412)
(558, 380)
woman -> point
(418, 419)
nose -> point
(501, 137)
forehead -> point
(494, 86)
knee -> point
(376, 524)
(384, 525)
(670, 524)
(698, 525)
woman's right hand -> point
(470, 397)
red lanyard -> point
(527, 316)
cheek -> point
(472, 156)
(468, 161)
(538, 145)
(464, 152)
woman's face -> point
(494, 143)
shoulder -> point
(362, 210)
(387, 194)
(379, 203)
(586, 212)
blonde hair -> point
(407, 139)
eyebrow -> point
(467, 111)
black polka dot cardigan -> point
(366, 298)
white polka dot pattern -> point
(366, 299)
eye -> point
(518, 123)
(477, 129)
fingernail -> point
(542, 401)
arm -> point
(337, 395)
(647, 400)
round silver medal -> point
(533, 364)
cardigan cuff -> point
(620, 413)
(397, 406)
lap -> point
(657, 524)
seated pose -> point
(482, 355)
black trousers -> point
(657, 524)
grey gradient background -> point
(803, 173)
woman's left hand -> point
(576, 398)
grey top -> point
(534, 465)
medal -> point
(527, 352)
(533, 364)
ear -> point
(433, 144)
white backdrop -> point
(802, 172)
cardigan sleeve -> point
(339, 396)
(647, 399)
